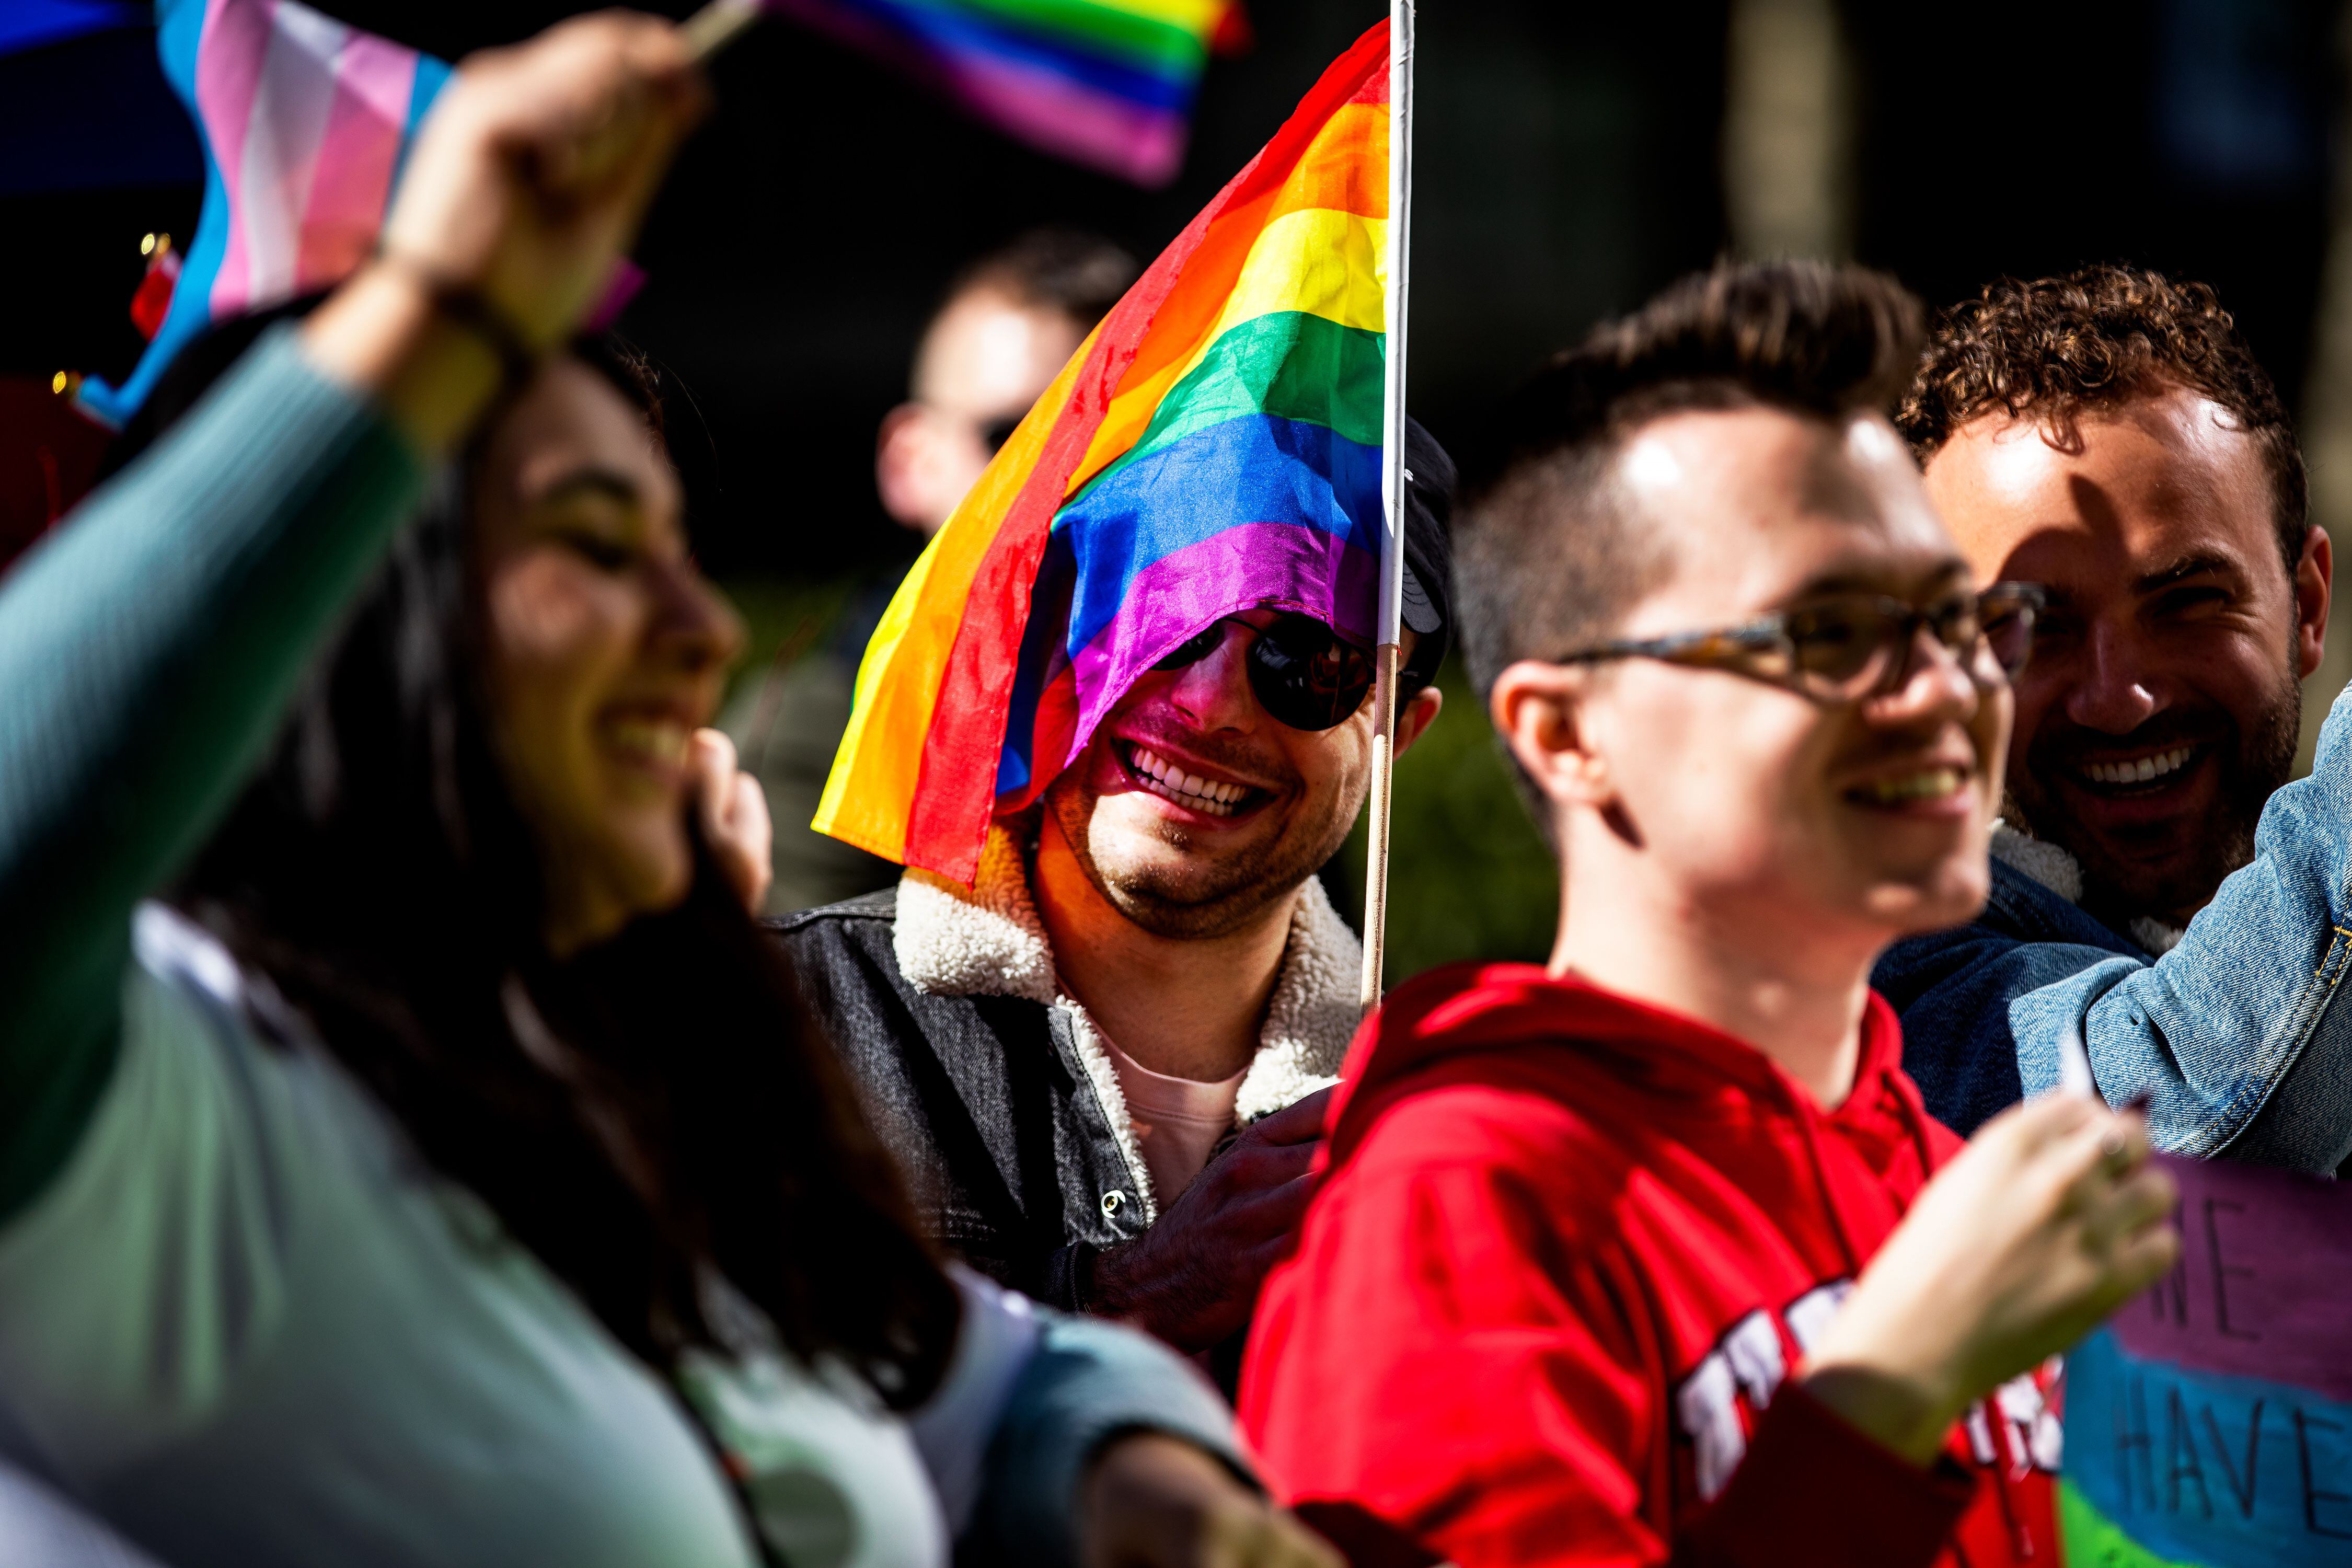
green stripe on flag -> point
(2094, 1540)
(1146, 42)
(1289, 364)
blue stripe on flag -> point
(1256, 469)
(179, 33)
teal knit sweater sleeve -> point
(149, 648)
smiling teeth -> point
(1185, 789)
(661, 740)
(2140, 770)
(1935, 784)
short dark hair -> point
(1079, 274)
(2096, 338)
(1546, 555)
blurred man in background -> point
(1009, 322)
(2109, 437)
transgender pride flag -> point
(2210, 1424)
(304, 122)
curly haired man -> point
(2159, 890)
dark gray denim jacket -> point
(992, 1088)
(2229, 1033)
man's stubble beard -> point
(2119, 892)
(1240, 889)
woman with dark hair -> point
(447, 1172)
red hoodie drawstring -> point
(2020, 1537)
(1804, 1115)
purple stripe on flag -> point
(2260, 1290)
(228, 78)
(1286, 565)
(1074, 120)
(357, 153)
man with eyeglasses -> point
(1636, 1257)
(2109, 437)
(1103, 1065)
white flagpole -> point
(1392, 498)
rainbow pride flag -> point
(1106, 83)
(1214, 444)
(304, 122)
(2210, 1424)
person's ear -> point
(1538, 708)
(909, 467)
(2315, 571)
(1417, 715)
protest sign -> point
(2209, 1422)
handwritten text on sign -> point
(2211, 1422)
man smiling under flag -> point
(1114, 722)
(1214, 445)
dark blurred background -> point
(1571, 159)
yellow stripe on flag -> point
(1321, 263)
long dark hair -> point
(641, 1114)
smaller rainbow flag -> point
(304, 122)
(2210, 1424)
(1214, 445)
(1106, 83)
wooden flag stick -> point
(719, 23)
(1392, 502)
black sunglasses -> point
(1846, 648)
(1305, 674)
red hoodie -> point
(1544, 1307)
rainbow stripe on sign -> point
(1214, 445)
(1108, 83)
(2210, 1424)
(304, 122)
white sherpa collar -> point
(2051, 865)
(2046, 863)
(986, 940)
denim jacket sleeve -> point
(2229, 1036)
(1954, 990)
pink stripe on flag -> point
(281, 150)
(228, 77)
(357, 154)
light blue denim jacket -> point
(2229, 1035)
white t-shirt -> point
(1177, 1120)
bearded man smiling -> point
(2110, 437)
(1104, 1064)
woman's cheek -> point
(549, 613)
(561, 632)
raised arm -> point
(2230, 1036)
(149, 648)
